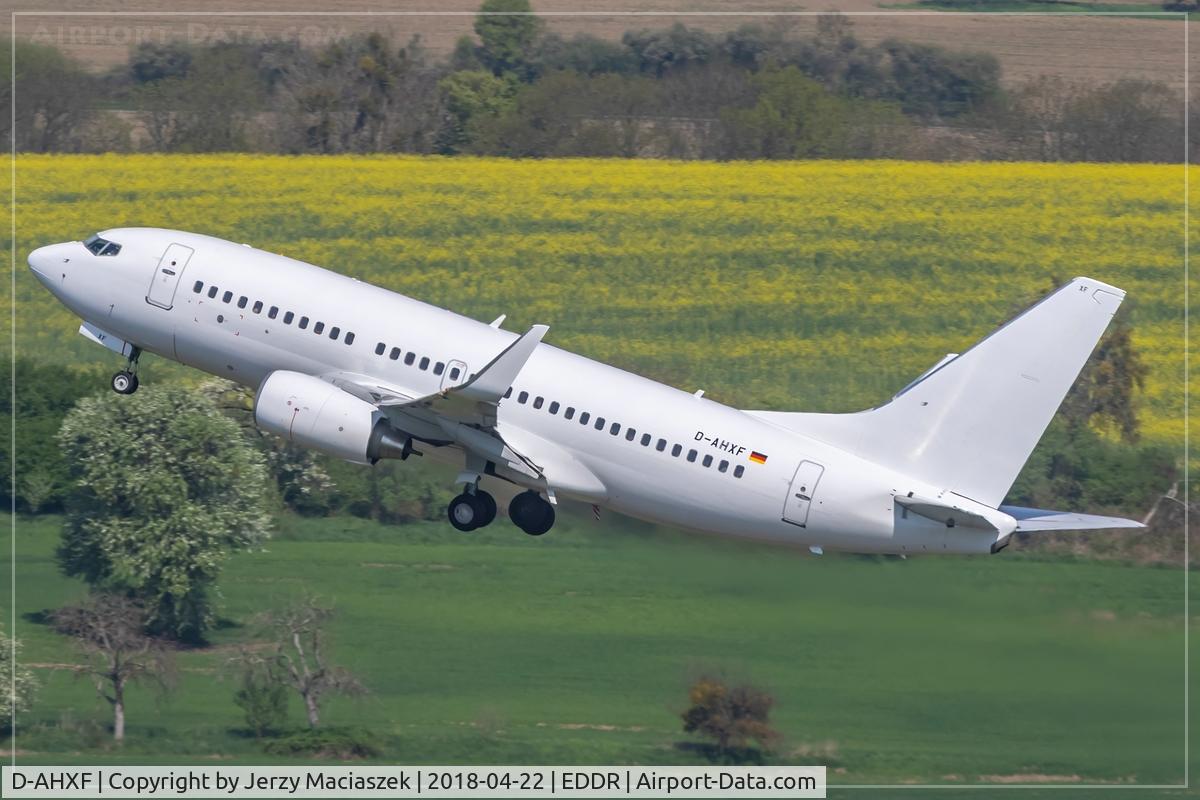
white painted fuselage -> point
(659, 454)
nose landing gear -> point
(126, 381)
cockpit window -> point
(101, 247)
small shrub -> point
(343, 744)
(732, 717)
(264, 702)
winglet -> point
(493, 380)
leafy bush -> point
(334, 743)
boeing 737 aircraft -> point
(363, 374)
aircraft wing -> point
(466, 414)
(474, 402)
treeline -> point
(516, 89)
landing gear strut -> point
(531, 513)
(126, 381)
(472, 509)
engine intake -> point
(316, 414)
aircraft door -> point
(801, 491)
(166, 275)
(455, 374)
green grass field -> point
(495, 648)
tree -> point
(109, 631)
(793, 117)
(471, 99)
(731, 716)
(1129, 120)
(165, 488)
(44, 396)
(261, 696)
(18, 696)
(507, 30)
(55, 98)
(299, 659)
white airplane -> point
(363, 374)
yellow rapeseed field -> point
(793, 285)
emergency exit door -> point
(167, 274)
(801, 491)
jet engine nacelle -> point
(316, 414)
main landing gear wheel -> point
(124, 382)
(531, 513)
(469, 511)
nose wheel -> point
(126, 381)
(471, 510)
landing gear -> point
(126, 381)
(471, 510)
(531, 513)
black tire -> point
(488, 504)
(531, 513)
(134, 386)
(124, 382)
(465, 512)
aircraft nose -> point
(45, 260)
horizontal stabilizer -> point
(1040, 519)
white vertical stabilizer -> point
(970, 424)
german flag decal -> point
(757, 457)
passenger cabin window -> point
(676, 450)
(584, 417)
(395, 354)
(379, 348)
(739, 470)
(537, 401)
(303, 323)
(198, 286)
(553, 407)
(645, 440)
(225, 298)
(523, 397)
(508, 393)
(692, 455)
(569, 413)
(320, 326)
(723, 466)
(599, 424)
(288, 317)
(350, 338)
(335, 332)
(615, 429)
(661, 445)
(242, 301)
(212, 292)
(273, 313)
(455, 372)
(439, 368)
(409, 358)
(101, 247)
(257, 309)
(707, 461)
(629, 434)
(424, 365)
